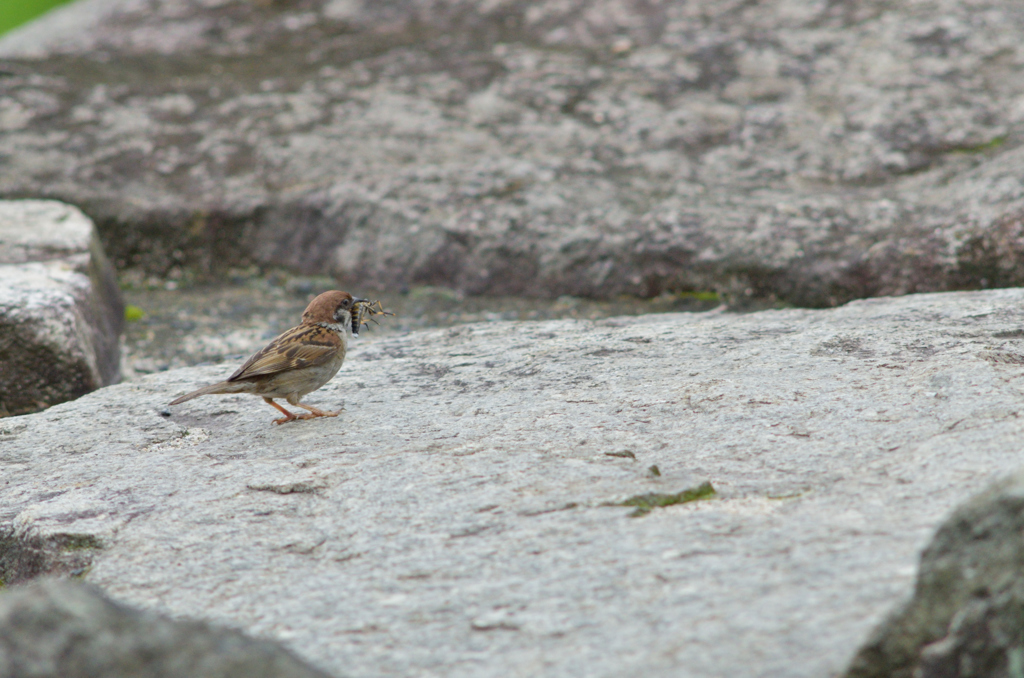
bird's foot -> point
(288, 416)
(314, 413)
(285, 420)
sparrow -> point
(300, 360)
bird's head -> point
(334, 308)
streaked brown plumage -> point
(300, 360)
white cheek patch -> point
(334, 327)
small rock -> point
(967, 614)
(61, 313)
(62, 629)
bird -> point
(300, 360)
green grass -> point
(14, 13)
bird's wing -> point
(302, 346)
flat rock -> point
(61, 629)
(462, 516)
(813, 152)
(967, 614)
(61, 313)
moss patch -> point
(702, 295)
(25, 558)
(77, 542)
(645, 503)
(982, 147)
(133, 313)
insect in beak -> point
(364, 310)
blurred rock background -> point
(805, 152)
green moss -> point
(78, 542)
(645, 503)
(981, 148)
(133, 313)
(705, 295)
(654, 470)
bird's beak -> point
(357, 315)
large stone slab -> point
(61, 313)
(814, 152)
(55, 629)
(458, 518)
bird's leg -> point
(288, 416)
(314, 412)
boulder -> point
(62, 629)
(61, 312)
(967, 614)
(810, 152)
(682, 494)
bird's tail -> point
(219, 387)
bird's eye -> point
(346, 303)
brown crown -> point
(321, 309)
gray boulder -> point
(62, 629)
(813, 152)
(967, 614)
(61, 313)
(529, 498)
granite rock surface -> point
(808, 151)
(469, 513)
(61, 313)
(60, 629)
(967, 614)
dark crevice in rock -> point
(25, 558)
